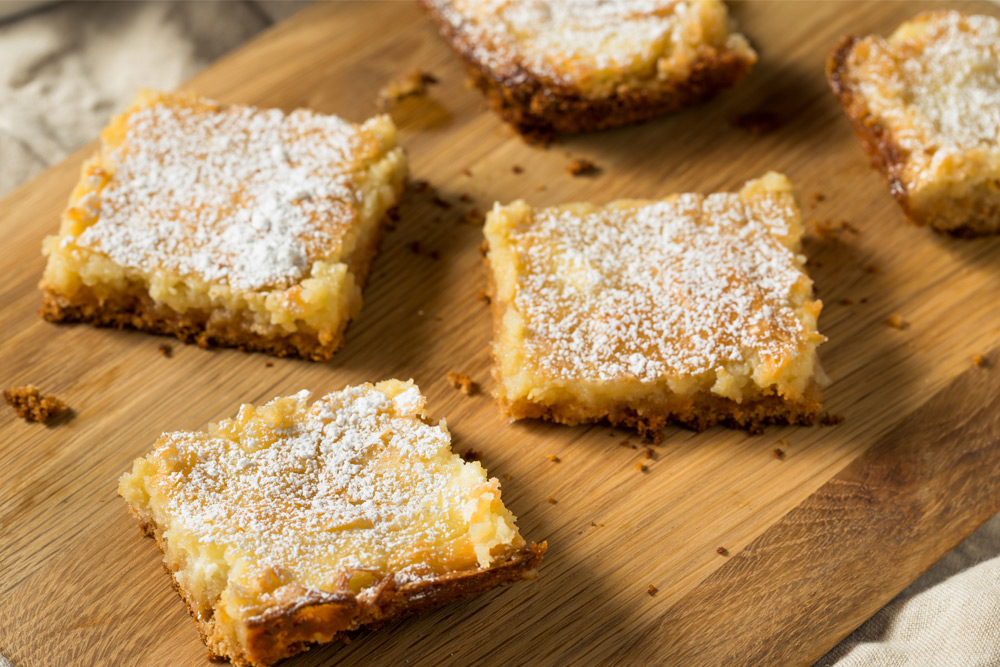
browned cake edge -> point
(977, 214)
(697, 412)
(288, 630)
(539, 110)
(135, 309)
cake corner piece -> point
(926, 118)
(225, 225)
(295, 523)
(694, 310)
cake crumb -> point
(506, 476)
(517, 169)
(818, 197)
(471, 455)
(31, 405)
(541, 187)
(166, 349)
(826, 419)
(648, 452)
(896, 321)
(483, 296)
(581, 166)
(462, 382)
(758, 123)
(641, 467)
(465, 198)
(553, 458)
(979, 361)
(846, 302)
(441, 203)
(412, 83)
(871, 268)
(551, 500)
(466, 172)
(416, 247)
(268, 364)
(779, 453)
(722, 551)
(652, 590)
(420, 185)
(474, 216)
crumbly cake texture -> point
(32, 405)
(295, 523)
(580, 65)
(693, 309)
(225, 225)
(926, 104)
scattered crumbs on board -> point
(32, 405)
(462, 382)
(581, 166)
(896, 321)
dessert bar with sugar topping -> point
(294, 523)
(693, 309)
(226, 225)
(579, 65)
(926, 104)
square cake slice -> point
(693, 309)
(926, 104)
(551, 67)
(225, 225)
(295, 523)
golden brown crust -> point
(974, 214)
(286, 630)
(135, 309)
(540, 110)
(31, 405)
(885, 153)
(696, 412)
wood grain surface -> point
(816, 541)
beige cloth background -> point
(65, 68)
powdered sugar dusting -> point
(569, 40)
(240, 196)
(937, 86)
(658, 291)
(352, 482)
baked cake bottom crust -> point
(539, 112)
(287, 631)
(698, 412)
(217, 328)
(220, 327)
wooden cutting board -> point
(815, 542)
